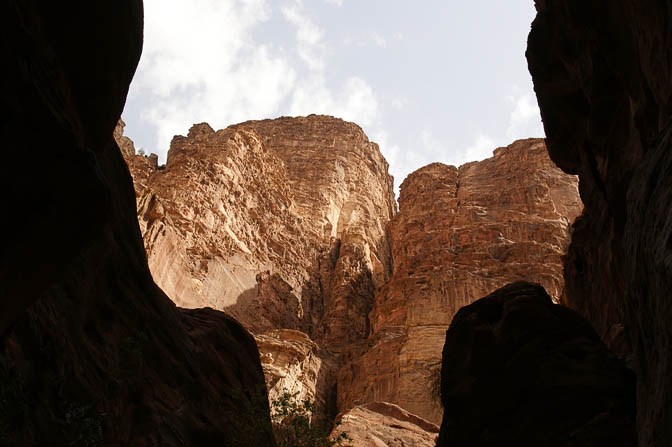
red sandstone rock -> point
(277, 196)
(460, 234)
(281, 223)
(313, 245)
(292, 362)
(381, 424)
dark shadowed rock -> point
(92, 351)
(602, 72)
(519, 370)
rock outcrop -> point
(459, 235)
(606, 104)
(293, 363)
(519, 370)
(303, 202)
(281, 224)
(380, 424)
(92, 351)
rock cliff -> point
(313, 244)
(459, 235)
(606, 103)
(92, 352)
(280, 222)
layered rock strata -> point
(459, 234)
(280, 223)
(303, 202)
(606, 105)
(92, 352)
(519, 370)
(293, 363)
(381, 424)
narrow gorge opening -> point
(291, 225)
(270, 259)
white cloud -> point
(373, 39)
(378, 40)
(355, 101)
(199, 64)
(308, 36)
(398, 103)
(335, 2)
(480, 149)
(436, 150)
(525, 120)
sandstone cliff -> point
(92, 352)
(459, 234)
(280, 223)
(320, 250)
(606, 105)
(304, 199)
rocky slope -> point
(92, 352)
(606, 104)
(459, 234)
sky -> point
(428, 80)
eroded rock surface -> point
(304, 201)
(381, 424)
(309, 246)
(459, 235)
(293, 363)
(519, 370)
(606, 105)
(280, 223)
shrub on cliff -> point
(293, 428)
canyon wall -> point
(459, 235)
(348, 300)
(601, 71)
(92, 352)
(305, 199)
(281, 224)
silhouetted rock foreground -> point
(93, 352)
(602, 71)
(519, 370)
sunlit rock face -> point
(305, 199)
(381, 424)
(281, 224)
(92, 352)
(606, 105)
(519, 370)
(290, 225)
(293, 363)
(459, 234)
